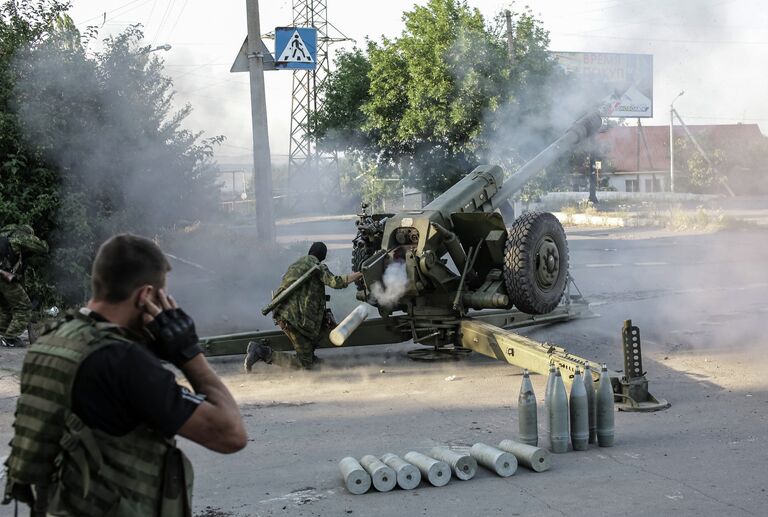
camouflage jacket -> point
(304, 309)
(24, 243)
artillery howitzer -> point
(495, 268)
(496, 278)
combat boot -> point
(12, 342)
(256, 352)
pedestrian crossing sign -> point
(296, 48)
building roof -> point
(622, 143)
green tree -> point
(429, 91)
(91, 143)
(698, 177)
(338, 126)
(23, 25)
(442, 97)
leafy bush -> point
(90, 143)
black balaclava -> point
(318, 250)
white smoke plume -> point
(395, 282)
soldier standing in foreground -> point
(302, 314)
(95, 423)
(17, 243)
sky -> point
(715, 50)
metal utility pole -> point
(592, 164)
(704, 155)
(307, 85)
(510, 38)
(672, 142)
(262, 161)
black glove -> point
(175, 339)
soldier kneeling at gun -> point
(301, 311)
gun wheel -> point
(536, 262)
(359, 255)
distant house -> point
(642, 165)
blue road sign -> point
(295, 48)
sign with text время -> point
(624, 82)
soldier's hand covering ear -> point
(173, 331)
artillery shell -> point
(501, 462)
(527, 418)
(535, 458)
(408, 476)
(437, 472)
(550, 384)
(558, 416)
(463, 466)
(383, 477)
(604, 403)
(579, 408)
(589, 384)
(356, 479)
(348, 325)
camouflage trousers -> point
(303, 358)
(15, 309)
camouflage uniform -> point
(301, 315)
(15, 305)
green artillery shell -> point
(589, 384)
(527, 419)
(550, 384)
(408, 476)
(558, 416)
(535, 458)
(463, 466)
(579, 406)
(384, 478)
(501, 462)
(356, 479)
(604, 403)
(437, 472)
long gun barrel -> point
(484, 189)
(582, 129)
(277, 300)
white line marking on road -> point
(602, 265)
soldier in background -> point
(302, 315)
(17, 244)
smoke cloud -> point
(105, 126)
(395, 282)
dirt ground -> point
(700, 304)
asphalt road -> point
(699, 301)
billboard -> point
(624, 82)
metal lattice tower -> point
(307, 84)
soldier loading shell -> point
(299, 310)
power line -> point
(151, 12)
(211, 85)
(660, 40)
(103, 14)
(647, 20)
(709, 117)
(196, 65)
(163, 20)
(173, 28)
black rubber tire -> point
(359, 255)
(530, 234)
